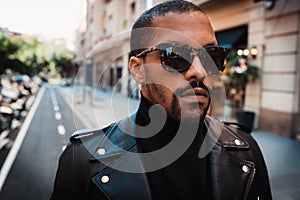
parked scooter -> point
(16, 97)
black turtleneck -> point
(188, 177)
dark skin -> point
(173, 90)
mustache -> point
(192, 85)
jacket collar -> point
(224, 135)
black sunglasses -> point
(176, 57)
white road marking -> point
(61, 130)
(56, 108)
(57, 116)
(19, 139)
(53, 97)
(54, 103)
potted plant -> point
(240, 71)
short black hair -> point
(138, 38)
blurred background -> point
(64, 67)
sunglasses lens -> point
(176, 59)
(218, 55)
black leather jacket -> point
(237, 166)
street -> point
(33, 171)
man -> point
(170, 148)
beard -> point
(173, 102)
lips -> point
(195, 91)
(196, 95)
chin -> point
(193, 115)
(188, 112)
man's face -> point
(184, 95)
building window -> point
(109, 26)
(233, 38)
(132, 7)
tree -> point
(7, 48)
(27, 55)
(64, 63)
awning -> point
(233, 37)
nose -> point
(196, 71)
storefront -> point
(271, 30)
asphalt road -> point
(33, 172)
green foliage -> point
(27, 55)
(7, 48)
(64, 63)
(232, 59)
(240, 70)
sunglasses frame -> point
(213, 51)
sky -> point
(47, 18)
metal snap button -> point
(104, 179)
(101, 151)
(237, 142)
(245, 168)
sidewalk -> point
(98, 108)
(283, 163)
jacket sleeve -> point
(66, 185)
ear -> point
(136, 69)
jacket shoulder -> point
(88, 133)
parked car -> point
(66, 82)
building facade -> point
(103, 46)
(274, 30)
(272, 26)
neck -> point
(149, 113)
(166, 128)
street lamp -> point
(240, 52)
(254, 52)
(245, 52)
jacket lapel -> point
(114, 187)
(119, 159)
(229, 170)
